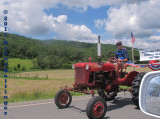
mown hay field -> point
(23, 89)
(63, 74)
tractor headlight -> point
(87, 67)
(72, 66)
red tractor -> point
(103, 77)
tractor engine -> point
(94, 74)
(101, 79)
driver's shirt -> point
(122, 54)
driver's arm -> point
(125, 60)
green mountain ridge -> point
(53, 53)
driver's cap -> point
(118, 43)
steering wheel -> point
(113, 59)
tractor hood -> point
(94, 66)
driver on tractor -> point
(121, 54)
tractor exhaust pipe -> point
(99, 50)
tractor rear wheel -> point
(135, 88)
(96, 108)
(107, 97)
(63, 98)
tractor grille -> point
(80, 74)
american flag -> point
(132, 38)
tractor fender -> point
(130, 77)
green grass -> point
(13, 62)
(124, 87)
(34, 95)
(38, 95)
(25, 96)
(27, 63)
(33, 88)
(29, 70)
(33, 78)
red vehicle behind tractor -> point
(105, 77)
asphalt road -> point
(121, 108)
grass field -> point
(23, 89)
(63, 74)
(13, 62)
(51, 74)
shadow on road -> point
(111, 105)
(119, 103)
(77, 109)
(82, 111)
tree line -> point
(54, 54)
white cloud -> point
(139, 16)
(28, 18)
(148, 15)
(1, 29)
(154, 38)
(96, 3)
(151, 42)
(99, 23)
(69, 31)
(141, 19)
(143, 43)
(125, 42)
(25, 17)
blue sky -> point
(77, 17)
(83, 21)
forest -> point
(55, 54)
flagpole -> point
(133, 56)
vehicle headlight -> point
(87, 67)
(72, 66)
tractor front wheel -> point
(135, 88)
(63, 98)
(96, 108)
